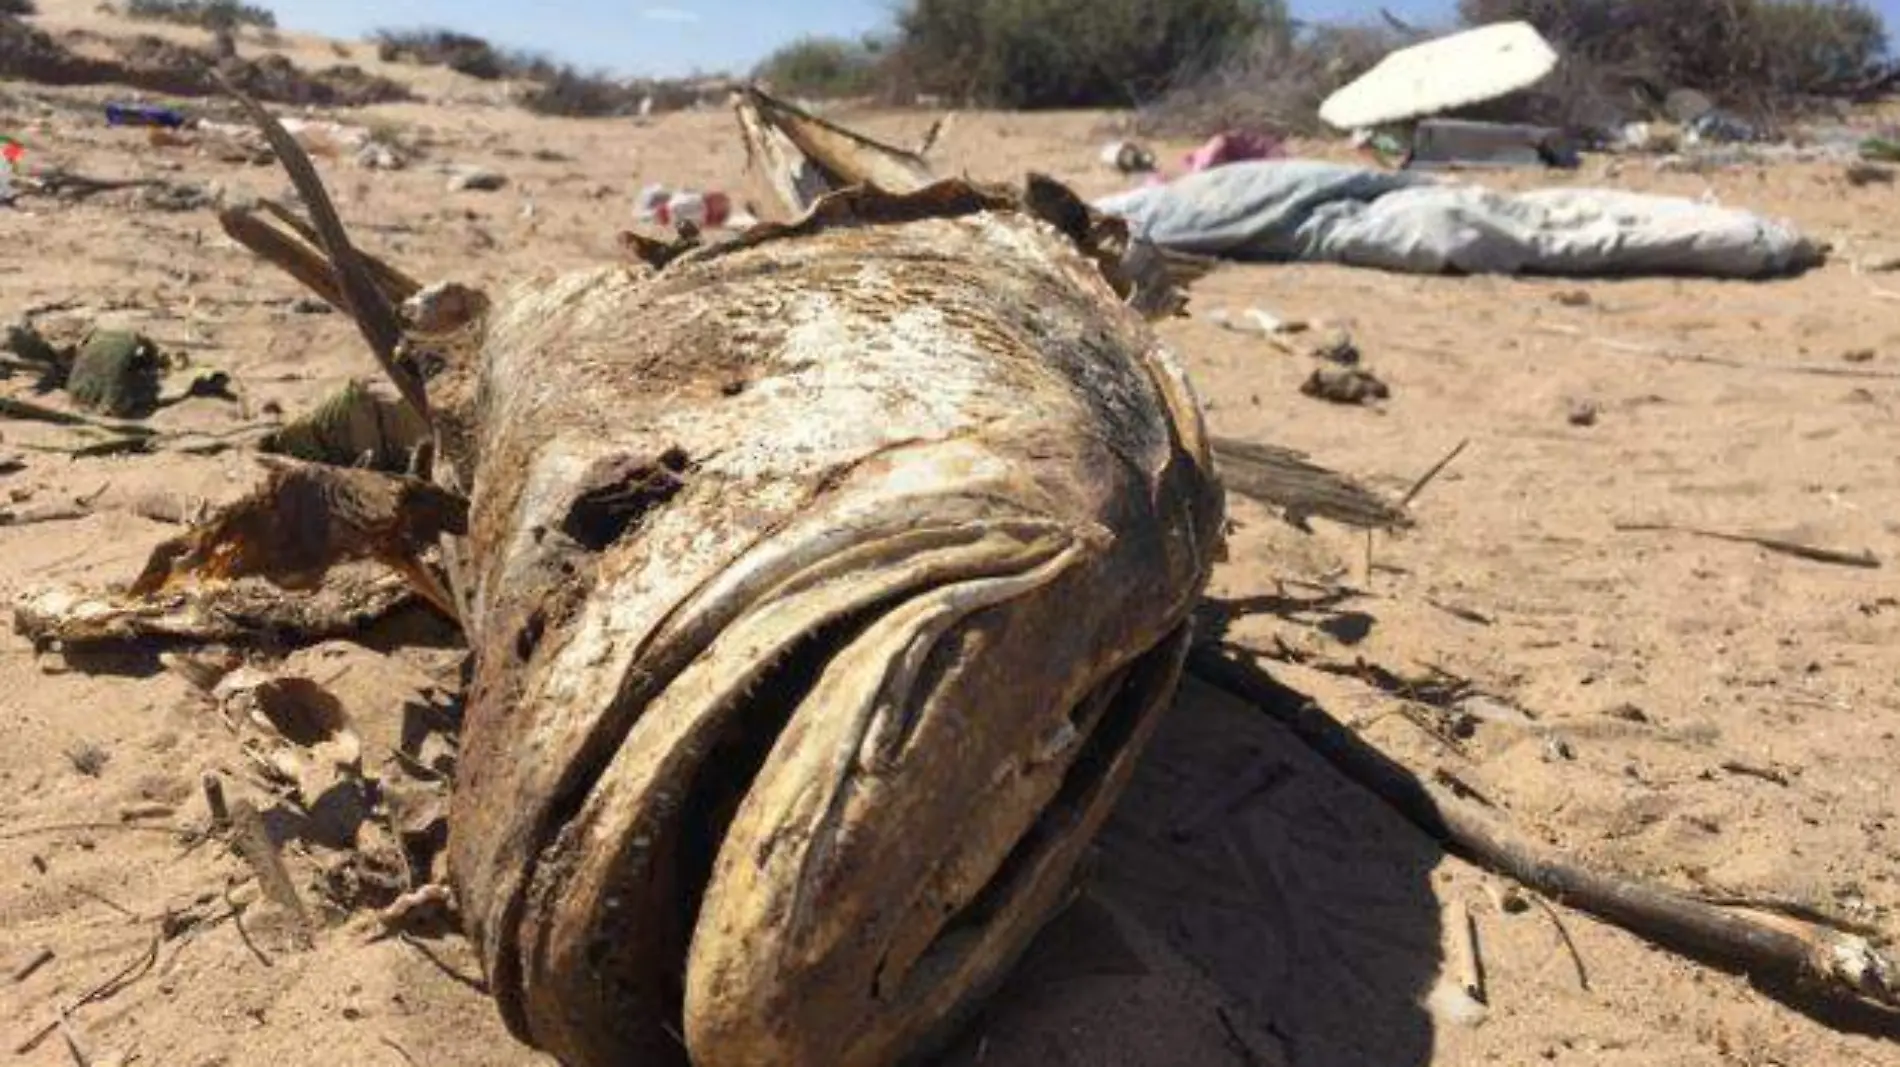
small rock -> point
(1582, 412)
(1859, 175)
(1571, 298)
(375, 156)
(181, 197)
(1628, 713)
(1255, 320)
(310, 305)
(1336, 346)
(1880, 263)
(1859, 355)
(476, 179)
(1344, 385)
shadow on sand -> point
(1248, 906)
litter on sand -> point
(1441, 74)
(1444, 143)
(1414, 223)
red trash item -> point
(1234, 147)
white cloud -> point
(669, 14)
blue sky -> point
(671, 37)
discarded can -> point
(1128, 157)
(666, 207)
(143, 115)
(11, 152)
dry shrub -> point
(554, 89)
(19, 8)
(161, 66)
(1278, 81)
(208, 14)
(431, 47)
(570, 92)
(1757, 56)
(1066, 53)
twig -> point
(1749, 770)
(106, 990)
(1462, 789)
(79, 186)
(399, 1050)
(215, 802)
(72, 1041)
(93, 894)
(1563, 935)
(83, 827)
(25, 970)
(477, 984)
(252, 841)
(1467, 614)
(237, 920)
(367, 305)
(1845, 969)
(1432, 475)
(26, 410)
(1672, 356)
(1464, 952)
(1863, 559)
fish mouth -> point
(851, 777)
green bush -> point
(823, 68)
(209, 14)
(1754, 54)
(1067, 53)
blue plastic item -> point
(143, 115)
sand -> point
(1710, 715)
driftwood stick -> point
(367, 305)
(26, 410)
(26, 970)
(395, 285)
(1465, 964)
(1843, 968)
(251, 840)
(1863, 559)
(1669, 355)
(285, 251)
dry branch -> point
(1670, 355)
(372, 311)
(1842, 967)
(1862, 559)
(251, 840)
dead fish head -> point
(825, 585)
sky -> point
(676, 37)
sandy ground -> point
(1707, 714)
